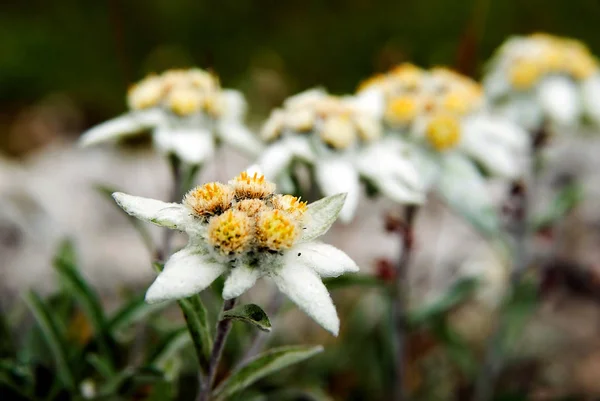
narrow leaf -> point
(87, 298)
(459, 292)
(132, 312)
(263, 365)
(250, 313)
(196, 319)
(169, 346)
(349, 280)
(565, 201)
(54, 337)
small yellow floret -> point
(252, 207)
(458, 102)
(273, 127)
(290, 204)
(443, 131)
(230, 232)
(408, 75)
(338, 131)
(581, 65)
(203, 80)
(369, 128)
(146, 93)
(209, 199)
(276, 230)
(214, 104)
(301, 120)
(252, 186)
(525, 73)
(401, 110)
(185, 101)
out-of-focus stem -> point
(223, 329)
(399, 304)
(519, 204)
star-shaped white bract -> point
(341, 143)
(543, 78)
(440, 119)
(184, 109)
(246, 231)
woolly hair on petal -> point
(235, 105)
(325, 259)
(171, 215)
(305, 288)
(321, 215)
(339, 175)
(590, 89)
(240, 280)
(186, 273)
(240, 137)
(128, 124)
(275, 159)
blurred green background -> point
(91, 51)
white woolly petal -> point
(591, 97)
(240, 137)
(235, 105)
(304, 287)
(186, 273)
(241, 279)
(275, 159)
(192, 145)
(336, 175)
(498, 130)
(559, 99)
(370, 101)
(524, 111)
(397, 190)
(320, 215)
(326, 260)
(171, 215)
(465, 190)
(125, 125)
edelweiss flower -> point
(439, 117)
(246, 231)
(341, 141)
(184, 109)
(543, 77)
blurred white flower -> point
(185, 109)
(340, 140)
(541, 78)
(447, 131)
(246, 231)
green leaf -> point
(138, 224)
(54, 337)
(349, 280)
(196, 319)
(565, 201)
(132, 312)
(519, 309)
(264, 364)
(86, 297)
(250, 313)
(102, 366)
(457, 349)
(459, 292)
(168, 347)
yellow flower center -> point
(401, 110)
(252, 186)
(301, 120)
(443, 131)
(458, 102)
(209, 199)
(525, 73)
(369, 129)
(230, 232)
(145, 94)
(273, 127)
(581, 64)
(408, 75)
(214, 104)
(252, 207)
(338, 131)
(184, 101)
(276, 230)
(290, 204)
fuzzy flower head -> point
(341, 141)
(544, 77)
(183, 109)
(246, 231)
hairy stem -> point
(399, 306)
(223, 329)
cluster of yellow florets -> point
(334, 119)
(531, 58)
(439, 96)
(183, 92)
(246, 215)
